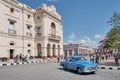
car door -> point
(71, 64)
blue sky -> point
(84, 21)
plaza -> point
(32, 41)
(51, 70)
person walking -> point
(116, 57)
(106, 56)
(58, 59)
(16, 59)
(20, 56)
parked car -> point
(79, 64)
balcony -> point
(55, 37)
(11, 31)
(28, 34)
(38, 35)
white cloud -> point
(52, 0)
(85, 40)
(70, 41)
(72, 36)
(88, 42)
(97, 36)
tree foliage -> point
(115, 19)
(113, 36)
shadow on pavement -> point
(75, 72)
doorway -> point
(39, 50)
(11, 53)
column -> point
(51, 54)
(56, 54)
(67, 53)
(44, 52)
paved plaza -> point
(51, 70)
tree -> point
(113, 36)
(115, 19)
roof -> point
(76, 56)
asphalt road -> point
(52, 71)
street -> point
(52, 71)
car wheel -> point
(64, 67)
(79, 71)
(93, 72)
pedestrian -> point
(102, 57)
(91, 58)
(106, 56)
(97, 59)
(20, 57)
(23, 58)
(58, 59)
(116, 57)
(16, 59)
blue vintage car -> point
(79, 64)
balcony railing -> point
(28, 34)
(38, 35)
(12, 31)
(54, 36)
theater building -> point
(33, 32)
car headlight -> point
(85, 68)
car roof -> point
(75, 56)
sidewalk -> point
(109, 64)
(12, 62)
(106, 64)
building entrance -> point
(11, 53)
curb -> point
(109, 67)
(21, 63)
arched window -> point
(53, 29)
(29, 45)
(12, 43)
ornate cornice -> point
(19, 5)
(50, 10)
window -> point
(29, 53)
(39, 30)
(28, 16)
(11, 25)
(28, 45)
(11, 10)
(68, 59)
(11, 28)
(28, 33)
(38, 17)
(11, 44)
(53, 29)
(28, 29)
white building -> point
(37, 33)
(76, 49)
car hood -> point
(86, 63)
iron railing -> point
(11, 31)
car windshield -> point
(80, 59)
